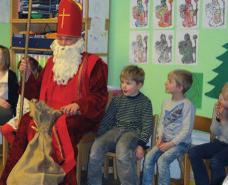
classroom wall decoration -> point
(215, 14)
(163, 47)
(175, 27)
(196, 91)
(138, 47)
(5, 11)
(139, 13)
(187, 44)
(98, 31)
(163, 14)
(221, 76)
(188, 14)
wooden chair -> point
(83, 154)
(5, 148)
(112, 155)
(203, 124)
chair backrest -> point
(202, 123)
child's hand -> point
(165, 146)
(4, 103)
(139, 152)
(158, 141)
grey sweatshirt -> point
(176, 121)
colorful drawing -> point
(188, 50)
(188, 13)
(140, 13)
(164, 49)
(138, 53)
(164, 13)
(215, 12)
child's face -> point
(222, 101)
(171, 85)
(130, 87)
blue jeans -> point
(217, 152)
(124, 144)
(163, 160)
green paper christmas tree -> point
(222, 76)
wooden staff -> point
(26, 56)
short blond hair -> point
(5, 63)
(133, 72)
(224, 91)
(182, 78)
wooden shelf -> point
(35, 21)
(31, 49)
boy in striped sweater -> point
(125, 129)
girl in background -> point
(9, 129)
(8, 87)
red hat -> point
(70, 18)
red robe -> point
(88, 88)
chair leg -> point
(186, 170)
(5, 150)
(114, 168)
(106, 166)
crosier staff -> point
(25, 56)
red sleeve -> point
(93, 105)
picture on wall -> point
(215, 13)
(99, 9)
(188, 14)
(138, 47)
(163, 47)
(97, 36)
(139, 13)
(163, 14)
(187, 47)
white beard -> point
(66, 60)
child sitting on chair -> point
(216, 151)
(9, 129)
(125, 129)
(174, 130)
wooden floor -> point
(109, 181)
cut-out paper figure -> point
(164, 13)
(215, 12)
(163, 49)
(188, 13)
(187, 50)
(140, 13)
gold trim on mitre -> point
(77, 3)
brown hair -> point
(5, 63)
(34, 64)
(133, 72)
(182, 78)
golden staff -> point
(26, 56)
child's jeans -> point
(124, 144)
(163, 160)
